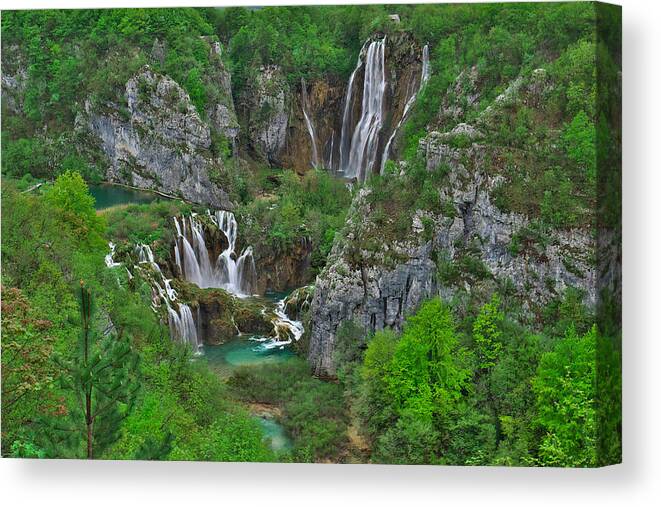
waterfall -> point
(180, 317)
(110, 262)
(308, 123)
(332, 148)
(235, 274)
(362, 150)
(345, 134)
(286, 329)
(424, 76)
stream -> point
(251, 351)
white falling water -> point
(365, 138)
(180, 317)
(286, 329)
(235, 274)
(110, 262)
(345, 135)
(308, 123)
(424, 76)
(332, 149)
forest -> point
(331, 234)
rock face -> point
(267, 108)
(372, 295)
(277, 129)
(471, 247)
(14, 79)
(283, 272)
(220, 109)
(158, 141)
(324, 105)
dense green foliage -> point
(181, 409)
(313, 411)
(490, 394)
(473, 380)
(292, 208)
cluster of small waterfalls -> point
(180, 316)
(234, 273)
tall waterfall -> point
(180, 317)
(235, 274)
(308, 123)
(424, 76)
(345, 135)
(358, 149)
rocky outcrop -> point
(471, 246)
(220, 317)
(297, 304)
(267, 103)
(279, 272)
(158, 141)
(14, 79)
(368, 293)
(324, 105)
(220, 104)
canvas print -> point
(328, 234)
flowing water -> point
(424, 76)
(234, 273)
(308, 123)
(362, 149)
(345, 137)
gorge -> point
(376, 233)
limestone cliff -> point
(158, 141)
(465, 245)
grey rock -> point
(268, 109)
(158, 142)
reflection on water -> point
(108, 195)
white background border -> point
(636, 482)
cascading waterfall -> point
(286, 330)
(308, 123)
(365, 139)
(180, 317)
(110, 262)
(424, 76)
(345, 135)
(236, 275)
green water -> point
(275, 433)
(241, 351)
(107, 196)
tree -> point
(565, 391)
(71, 197)
(487, 333)
(27, 373)
(580, 138)
(426, 374)
(101, 380)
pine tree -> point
(102, 380)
